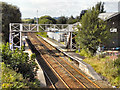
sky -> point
(56, 8)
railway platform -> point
(40, 74)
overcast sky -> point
(56, 8)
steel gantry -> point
(16, 30)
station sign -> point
(113, 29)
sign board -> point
(113, 29)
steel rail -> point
(97, 86)
(54, 70)
(54, 87)
(67, 70)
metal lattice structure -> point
(16, 30)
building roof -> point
(108, 15)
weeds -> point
(107, 67)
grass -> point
(43, 34)
(106, 67)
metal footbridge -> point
(16, 30)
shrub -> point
(85, 53)
(19, 61)
(112, 71)
(106, 67)
(11, 79)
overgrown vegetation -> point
(107, 67)
(18, 69)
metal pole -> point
(37, 22)
(21, 29)
(29, 26)
(70, 40)
(10, 37)
(37, 27)
(37, 16)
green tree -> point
(71, 20)
(77, 18)
(100, 7)
(28, 21)
(92, 32)
(62, 20)
(10, 14)
(47, 20)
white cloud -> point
(58, 7)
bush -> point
(85, 53)
(112, 71)
(11, 79)
(107, 67)
(19, 61)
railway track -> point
(67, 74)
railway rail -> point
(67, 74)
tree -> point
(82, 13)
(47, 20)
(71, 20)
(77, 18)
(62, 20)
(10, 14)
(100, 7)
(92, 32)
(28, 21)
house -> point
(113, 22)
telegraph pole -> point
(37, 16)
(37, 22)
